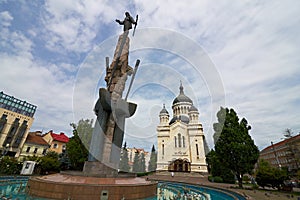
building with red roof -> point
(285, 153)
(56, 141)
(34, 145)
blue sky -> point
(242, 54)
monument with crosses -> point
(100, 177)
(112, 109)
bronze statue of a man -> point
(127, 22)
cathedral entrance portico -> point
(180, 165)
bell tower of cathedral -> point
(181, 139)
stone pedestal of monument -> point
(62, 186)
(97, 169)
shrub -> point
(228, 177)
(216, 179)
(49, 163)
(10, 166)
(267, 175)
(139, 174)
(246, 178)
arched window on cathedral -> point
(183, 141)
(197, 151)
(179, 140)
(163, 149)
(175, 139)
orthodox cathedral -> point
(181, 139)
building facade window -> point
(28, 149)
(3, 121)
(183, 141)
(44, 151)
(163, 149)
(27, 165)
(35, 150)
(55, 145)
(175, 139)
(20, 134)
(179, 140)
(197, 150)
(14, 127)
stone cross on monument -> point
(111, 110)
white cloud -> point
(73, 25)
(253, 45)
(39, 86)
(38, 82)
(5, 18)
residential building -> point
(285, 153)
(16, 118)
(57, 142)
(34, 145)
(131, 155)
(181, 141)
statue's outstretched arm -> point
(120, 22)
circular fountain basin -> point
(62, 186)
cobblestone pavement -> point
(198, 179)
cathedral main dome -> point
(182, 97)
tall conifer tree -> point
(234, 146)
(124, 166)
(153, 160)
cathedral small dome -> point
(193, 108)
(182, 118)
(182, 97)
(164, 110)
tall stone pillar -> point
(111, 111)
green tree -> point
(217, 169)
(269, 176)
(234, 147)
(76, 150)
(136, 162)
(31, 158)
(49, 163)
(288, 133)
(85, 130)
(213, 163)
(64, 160)
(142, 163)
(153, 160)
(124, 166)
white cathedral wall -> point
(198, 163)
(162, 139)
(180, 150)
(193, 135)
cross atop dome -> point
(181, 88)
